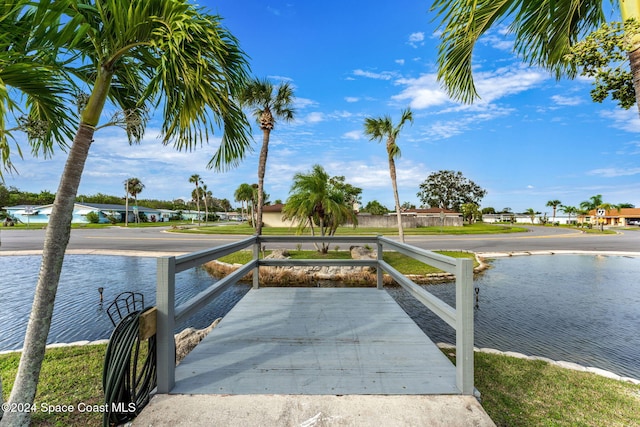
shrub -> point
(93, 217)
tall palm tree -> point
(592, 203)
(268, 103)
(544, 33)
(314, 200)
(134, 55)
(134, 187)
(206, 196)
(243, 194)
(554, 204)
(531, 213)
(195, 179)
(379, 129)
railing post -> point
(256, 256)
(464, 326)
(379, 278)
(165, 303)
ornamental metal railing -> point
(168, 315)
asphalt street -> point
(162, 240)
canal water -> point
(578, 308)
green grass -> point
(400, 262)
(69, 376)
(515, 392)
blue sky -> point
(530, 139)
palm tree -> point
(531, 213)
(206, 195)
(195, 179)
(554, 204)
(592, 203)
(378, 129)
(544, 32)
(313, 200)
(134, 187)
(569, 210)
(243, 194)
(136, 56)
(268, 104)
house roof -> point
(624, 212)
(273, 208)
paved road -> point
(160, 240)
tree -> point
(531, 213)
(374, 207)
(206, 196)
(134, 55)
(352, 194)
(469, 211)
(544, 33)
(554, 204)
(447, 189)
(314, 200)
(488, 210)
(133, 186)
(243, 195)
(592, 203)
(195, 179)
(569, 210)
(383, 128)
(268, 103)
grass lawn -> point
(515, 392)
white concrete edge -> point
(97, 252)
(559, 363)
(556, 252)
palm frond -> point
(544, 31)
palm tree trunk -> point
(634, 62)
(262, 166)
(394, 184)
(55, 244)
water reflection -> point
(577, 308)
(78, 313)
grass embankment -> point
(515, 392)
(402, 263)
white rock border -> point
(560, 363)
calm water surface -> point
(78, 314)
(577, 308)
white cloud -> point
(503, 82)
(399, 61)
(421, 92)
(626, 120)
(354, 134)
(614, 172)
(566, 100)
(351, 99)
(301, 103)
(416, 39)
(385, 75)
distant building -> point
(40, 214)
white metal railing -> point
(460, 318)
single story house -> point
(40, 214)
(614, 217)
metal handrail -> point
(460, 318)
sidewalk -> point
(313, 411)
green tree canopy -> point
(447, 189)
(374, 207)
(315, 201)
